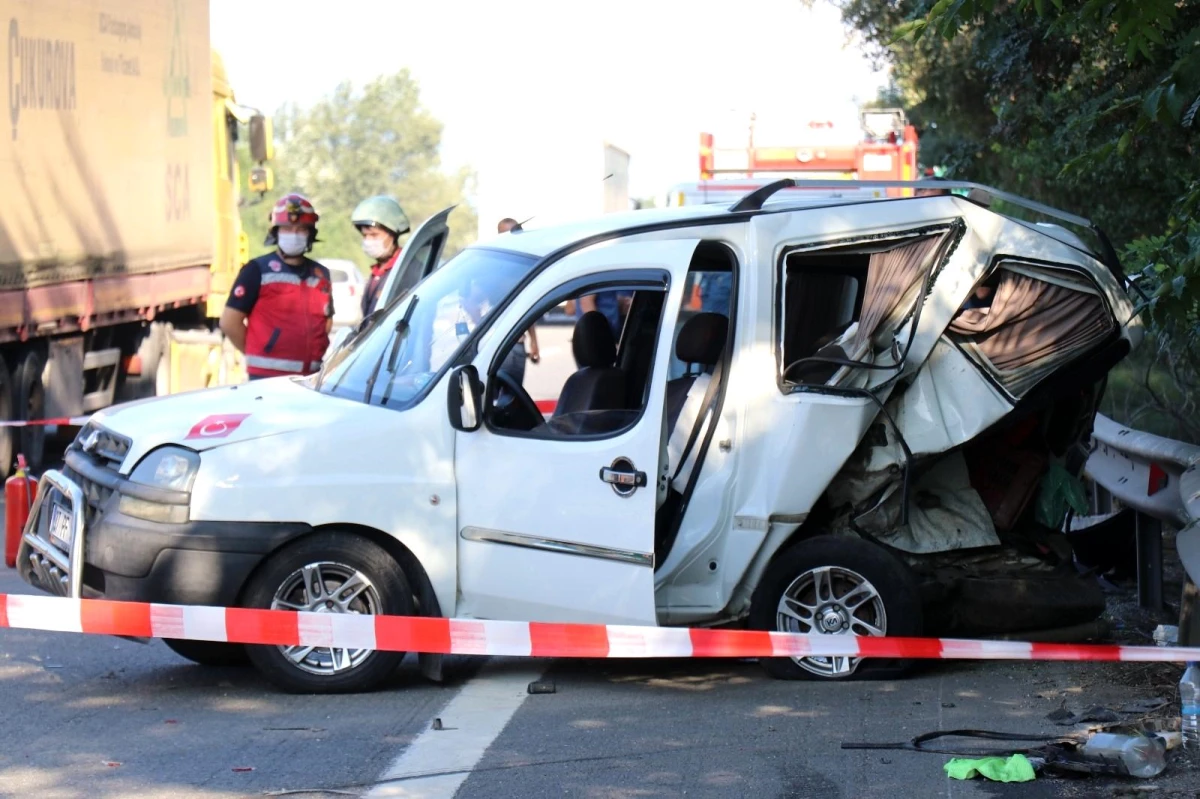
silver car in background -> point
(348, 286)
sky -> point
(530, 90)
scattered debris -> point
(1144, 705)
(1096, 713)
(542, 687)
(1015, 768)
(948, 705)
(1166, 635)
(293, 729)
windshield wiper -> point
(397, 335)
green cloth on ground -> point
(1016, 768)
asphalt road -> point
(88, 716)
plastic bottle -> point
(1189, 706)
(1141, 755)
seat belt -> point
(696, 428)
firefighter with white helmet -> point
(280, 308)
(382, 222)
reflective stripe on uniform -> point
(280, 277)
(277, 364)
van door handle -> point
(623, 477)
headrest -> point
(593, 343)
(702, 339)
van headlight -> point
(173, 468)
(169, 468)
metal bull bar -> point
(58, 575)
(1159, 479)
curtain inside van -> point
(1037, 322)
(893, 281)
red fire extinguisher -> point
(19, 492)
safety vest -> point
(285, 331)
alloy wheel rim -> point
(327, 587)
(831, 600)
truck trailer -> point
(119, 227)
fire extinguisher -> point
(19, 492)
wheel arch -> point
(423, 594)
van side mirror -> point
(465, 399)
(262, 145)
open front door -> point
(420, 257)
(556, 516)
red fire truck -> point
(886, 150)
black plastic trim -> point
(89, 469)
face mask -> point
(293, 243)
(375, 248)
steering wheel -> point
(525, 406)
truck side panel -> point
(107, 160)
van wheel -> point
(329, 572)
(209, 653)
(837, 585)
(31, 405)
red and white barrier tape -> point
(516, 639)
(62, 421)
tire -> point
(31, 404)
(209, 653)
(845, 562)
(7, 434)
(341, 557)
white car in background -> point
(348, 286)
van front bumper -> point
(75, 547)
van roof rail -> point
(977, 193)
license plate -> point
(60, 527)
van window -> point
(593, 375)
(407, 344)
(849, 303)
(822, 297)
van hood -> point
(216, 417)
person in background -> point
(514, 362)
(382, 222)
(280, 308)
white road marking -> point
(471, 721)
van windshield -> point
(405, 346)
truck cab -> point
(865, 441)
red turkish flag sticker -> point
(218, 426)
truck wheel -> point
(31, 404)
(209, 653)
(329, 572)
(7, 434)
(836, 585)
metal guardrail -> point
(1159, 479)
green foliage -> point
(354, 144)
(1088, 105)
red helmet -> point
(294, 209)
